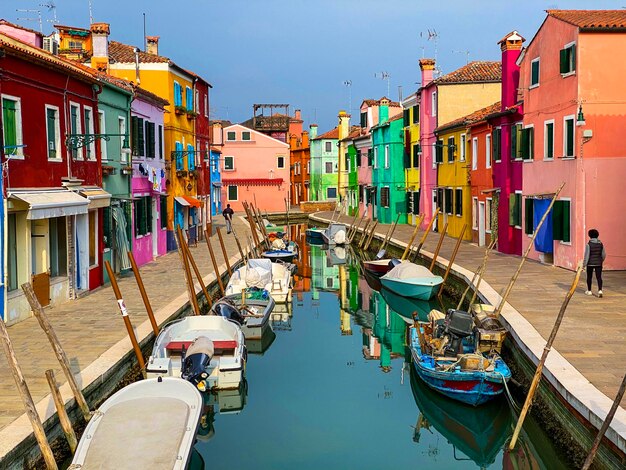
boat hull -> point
(279, 255)
(378, 267)
(314, 235)
(413, 288)
(254, 326)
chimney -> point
(293, 141)
(344, 124)
(383, 110)
(100, 45)
(305, 139)
(313, 131)
(152, 45)
(427, 66)
(297, 114)
(511, 47)
(218, 137)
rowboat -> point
(314, 235)
(412, 280)
(209, 351)
(252, 313)
(148, 424)
(286, 255)
(262, 274)
(379, 267)
(335, 234)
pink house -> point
(148, 182)
(428, 123)
(255, 169)
(574, 121)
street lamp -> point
(76, 141)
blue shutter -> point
(191, 158)
(189, 98)
(179, 156)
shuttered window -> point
(561, 222)
(232, 193)
(106, 227)
(189, 98)
(409, 202)
(416, 114)
(143, 215)
(406, 117)
(160, 142)
(384, 196)
(364, 119)
(53, 132)
(448, 200)
(150, 138)
(74, 128)
(534, 72)
(163, 212)
(568, 59)
(528, 143)
(370, 157)
(548, 140)
(358, 158)
(528, 216)
(416, 202)
(496, 143)
(515, 210)
(458, 202)
(439, 151)
(11, 126)
(416, 155)
(179, 156)
(191, 158)
(178, 94)
(568, 136)
(451, 149)
(516, 141)
(137, 136)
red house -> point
(53, 190)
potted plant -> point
(191, 114)
(180, 110)
(108, 170)
(127, 170)
(181, 173)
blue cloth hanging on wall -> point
(544, 241)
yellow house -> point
(412, 156)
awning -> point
(492, 190)
(98, 197)
(52, 203)
(188, 201)
(217, 183)
(253, 181)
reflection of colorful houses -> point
(324, 158)
(324, 276)
(412, 155)
(344, 302)
(302, 278)
(300, 158)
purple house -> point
(148, 183)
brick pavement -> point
(89, 326)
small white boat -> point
(335, 234)
(252, 313)
(148, 424)
(262, 274)
(208, 350)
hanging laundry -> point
(156, 180)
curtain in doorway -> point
(121, 240)
(544, 240)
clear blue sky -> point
(301, 52)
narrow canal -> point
(331, 386)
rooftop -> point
(592, 19)
(478, 71)
(393, 104)
(471, 118)
(331, 134)
(124, 53)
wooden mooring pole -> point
(124, 312)
(451, 260)
(478, 273)
(215, 268)
(356, 228)
(412, 239)
(59, 352)
(219, 236)
(27, 399)
(144, 295)
(371, 237)
(428, 228)
(191, 289)
(546, 350)
(436, 255)
(243, 257)
(365, 233)
(196, 271)
(64, 419)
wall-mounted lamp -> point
(580, 118)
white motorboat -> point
(335, 234)
(208, 350)
(262, 274)
(148, 424)
(252, 312)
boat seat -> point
(218, 344)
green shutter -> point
(525, 145)
(512, 209)
(406, 117)
(134, 134)
(513, 142)
(106, 227)
(563, 61)
(160, 141)
(550, 140)
(569, 135)
(561, 224)
(416, 114)
(140, 138)
(528, 215)
(450, 147)
(163, 212)
(534, 73)
(9, 122)
(51, 130)
(572, 57)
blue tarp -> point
(544, 241)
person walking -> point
(595, 255)
(228, 215)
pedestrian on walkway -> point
(595, 255)
(228, 215)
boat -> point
(275, 278)
(207, 350)
(262, 344)
(285, 254)
(412, 280)
(335, 234)
(336, 255)
(446, 358)
(372, 280)
(405, 306)
(314, 235)
(379, 267)
(148, 424)
(250, 308)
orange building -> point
(300, 167)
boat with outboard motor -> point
(335, 234)
(250, 308)
(412, 280)
(207, 350)
(286, 254)
(315, 236)
(148, 424)
(262, 274)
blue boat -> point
(285, 255)
(314, 235)
(412, 280)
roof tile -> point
(331, 134)
(471, 118)
(124, 53)
(592, 19)
(478, 71)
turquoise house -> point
(388, 178)
(324, 166)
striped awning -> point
(188, 201)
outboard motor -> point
(228, 310)
(393, 262)
(458, 325)
(197, 361)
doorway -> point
(481, 223)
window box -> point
(181, 173)
(191, 114)
(127, 170)
(180, 110)
(193, 173)
(108, 170)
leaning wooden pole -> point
(215, 268)
(144, 294)
(371, 237)
(393, 230)
(196, 271)
(356, 227)
(223, 247)
(428, 228)
(351, 226)
(243, 257)
(191, 290)
(59, 404)
(27, 399)
(546, 350)
(525, 256)
(127, 323)
(59, 352)
(605, 425)
(365, 233)
(451, 260)
(477, 274)
(411, 240)
(439, 243)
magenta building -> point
(428, 123)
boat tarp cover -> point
(278, 244)
(409, 271)
(259, 273)
(156, 427)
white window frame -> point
(79, 128)
(545, 140)
(228, 192)
(386, 156)
(454, 199)
(433, 104)
(488, 205)
(228, 139)
(206, 105)
(277, 160)
(565, 119)
(463, 144)
(521, 209)
(375, 158)
(103, 130)
(92, 131)
(233, 160)
(19, 137)
(475, 153)
(57, 134)
(531, 145)
(573, 72)
(249, 139)
(534, 85)
(474, 213)
(488, 151)
(121, 124)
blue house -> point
(216, 182)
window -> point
(308, 167)
(568, 59)
(488, 151)
(197, 102)
(189, 99)
(328, 146)
(416, 202)
(528, 143)
(143, 216)
(107, 238)
(458, 202)
(433, 111)
(232, 193)
(229, 163)
(347, 162)
(58, 246)
(568, 137)
(191, 157)
(406, 117)
(331, 193)
(231, 135)
(475, 153)
(534, 73)
(280, 161)
(488, 208)
(439, 151)
(93, 238)
(451, 149)
(384, 196)
(90, 149)
(206, 105)
(12, 126)
(386, 156)
(548, 140)
(328, 167)
(137, 136)
(103, 143)
(178, 94)
(515, 209)
(528, 215)
(150, 139)
(121, 127)
(364, 119)
(358, 158)
(417, 150)
(375, 157)
(160, 142)
(516, 141)
(496, 144)
(75, 45)
(475, 213)
(448, 200)
(53, 132)
(561, 221)
(245, 135)
(12, 273)
(463, 148)
(75, 128)
(163, 212)
(416, 114)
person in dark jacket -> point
(594, 257)
(228, 215)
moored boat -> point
(286, 254)
(209, 351)
(378, 267)
(148, 424)
(250, 309)
(314, 235)
(262, 274)
(335, 234)
(412, 280)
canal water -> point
(331, 386)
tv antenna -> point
(348, 85)
(90, 12)
(38, 19)
(50, 5)
(433, 35)
(384, 76)
(467, 54)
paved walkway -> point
(91, 325)
(592, 336)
